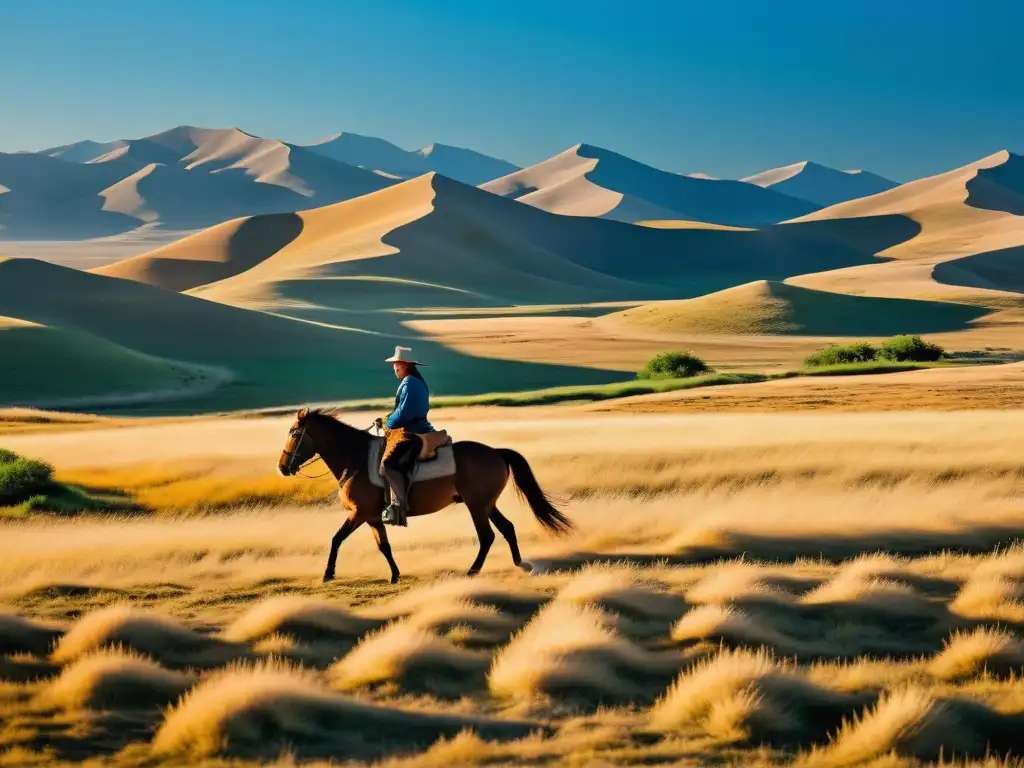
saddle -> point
(431, 442)
(436, 459)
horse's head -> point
(298, 448)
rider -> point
(402, 427)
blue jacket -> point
(411, 405)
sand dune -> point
(82, 151)
(766, 307)
(590, 181)
(375, 154)
(965, 212)
(183, 178)
(179, 199)
(820, 184)
(211, 255)
(465, 165)
(434, 242)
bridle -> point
(295, 437)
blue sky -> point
(729, 87)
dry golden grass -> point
(303, 618)
(744, 696)
(239, 710)
(116, 680)
(984, 650)
(413, 658)
(196, 487)
(150, 633)
(737, 589)
(574, 652)
(19, 634)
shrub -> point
(910, 349)
(860, 352)
(674, 365)
(21, 478)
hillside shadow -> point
(1001, 270)
(260, 237)
(780, 548)
(1000, 188)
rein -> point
(318, 457)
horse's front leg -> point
(353, 522)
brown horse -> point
(481, 475)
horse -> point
(482, 472)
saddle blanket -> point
(430, 469)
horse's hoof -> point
(394, 578)
(526, 566)
(328, 577)
(473, 573)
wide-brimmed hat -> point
(402, 355)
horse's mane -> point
(331, 417)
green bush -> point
(910, 349)
(21, 478)
(859, 352)
(674, 365)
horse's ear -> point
(303, 413)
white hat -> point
(401, 356)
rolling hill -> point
(134, 339)
(375, 154)
(594, 182)
(766, 307)
(820, 184)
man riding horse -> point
(403, 428)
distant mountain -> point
(375, 154)
(183, 178)
(590, 181)
(464, 165)
(54, 199)
(820, 184)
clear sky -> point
(730, 87)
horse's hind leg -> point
(484, 532)
(381, 534)
(343, 533)
(506, 529)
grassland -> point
(762, 589)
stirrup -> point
(394, 515)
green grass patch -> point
(898, 349)
(871, 366)
(27, 486)
(674, 365)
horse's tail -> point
(529, 489)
